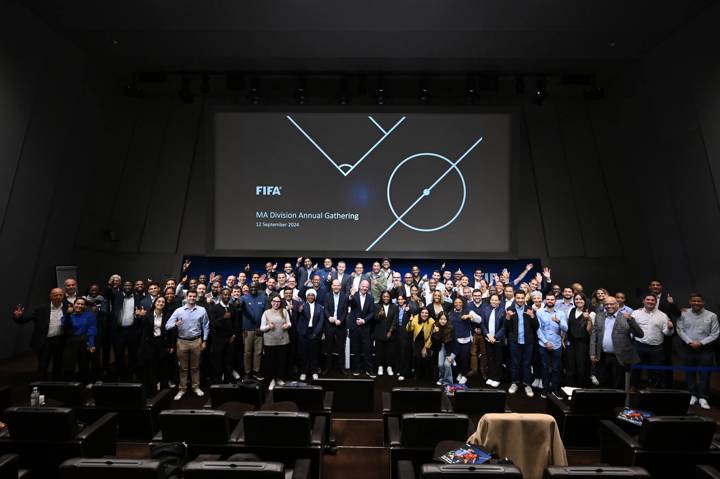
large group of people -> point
(304, 320)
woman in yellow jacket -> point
(421, 326)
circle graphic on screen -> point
(425, 193)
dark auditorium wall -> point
(609, 191)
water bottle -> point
(35, 398)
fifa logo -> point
(268, 190)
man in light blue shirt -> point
(191, 322)
(552, 323)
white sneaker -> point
(198, 392)
(279, 382)
(594, 380)
(401, 378)
(704, 404)
(495, 384)
(315, 376)
(303, 377)
(513, 388)
(171, 385)
(529, 392)
(380, 371)
(489, 382)
(693, 400)
(439, 382)
(462, 380)
(236, 375)
(536, 383)
(157, 386)
(179, 395)
(540, 383)
(271, 386)
(457, 378)
(389, 371)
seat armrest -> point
(158, 437)
(557, 404)
(386, 402)
(445, 404)
(405, 470)
(610, 427)
(160, 401)
(238, 434)
(100, 438)
(393, 432)
(318, 430)
(301, 469)
(328, 400)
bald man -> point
(47, 339)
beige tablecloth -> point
(531, 441)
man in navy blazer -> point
(309, 331)
(344, 277)
(359, 322)
(336, 311)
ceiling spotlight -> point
(300, 92)
(253, 93)
(540, 92)
(594, 93)
(133, 91)
(380, 96)
(185, 92)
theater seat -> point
(312, 399)
(589, 472)
(284, 436)
(406, 470)
(196, 427)
(10, 467)
(663, 402)
(413, 437)
(249, 393)
(78, 468)
(478, 402)
(410, 400)
(578, 418)
(137, 415)
(5, 400)
(246, 470)
(61, 393)
(351, 394)
(666, 446)
(45, 437)
(706, 472)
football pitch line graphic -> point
(426, 193)
(346, 168)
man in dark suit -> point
(362, 310)
(336, 310)
(127, 315)
(316, 284)
(309, 330)
(224, 330)
(47, 339)
(612, 348)
(344, 278)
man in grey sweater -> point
(698, 330)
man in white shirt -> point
(656, 325)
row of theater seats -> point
(415, 419)
(80, 468)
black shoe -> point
(258, 376)
(370, 374)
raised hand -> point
(546, 272)
(212, 276)
(538, 278)
(529, 266)
(186, 265)
(18, 311)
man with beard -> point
(362, 310)
(127, 316)
(252, 306)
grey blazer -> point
(623, 343)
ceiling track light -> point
(540, 92)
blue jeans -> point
(444, 369)
(551, 368)
(521, 356)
